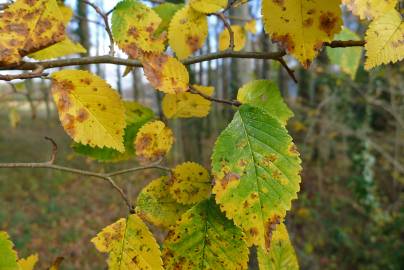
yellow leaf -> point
(186, 105)
(153, 141)
(166, 73)
(190, 183)
(369, 9)
(28, 263)
(251, 26)
(130, 245)
(133, 26)
(239, 38)
(91, 112)
(208, 6)
(301, 26)
(59, 49)
(67, 13)
(28, 26)
(157, 206)
(385, 40)
(187, 31)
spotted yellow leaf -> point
(186, 105)
(29, 26)
(133, 27)
(157, 206)
(28, 263)
(153, 141)
(251, 26)
(90, 111)
(208, 6)
(130, 245)
(166, 73)
(385, 40)
(281, 255)
(369, 9)
(239, 38)
(187, 31)
(302, 26)
(190, 183)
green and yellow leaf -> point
(205, 239)
(281, 255)
(157, 206)
(28, 263)
(134, 27)
(29, 26)
(190, 183)
(90, 111)
(302, 26)
(153, 141)
(130, 245)
(369, 9)
(166, 11)
(208, 6)
(8, 256)
(186, 105)
(256, 168)
(240, 38)
(166, 73)
(136, 116)
(385, 40)
(187, 32)
(266, 95)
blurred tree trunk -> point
(83, 30)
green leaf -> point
(348, 59)
(281, 255)
(136, 116)
(157, 206)
(205, 239)
(256, 168)
(8, 257)
(266, 95)
(166, 12)
(130, 245)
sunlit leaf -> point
(59, 49)
(136, 116)
(186, 105)
(157, 206)
(348, 59)
(166, 11)
(205, 239)
(29, 26)
(256, 168)
(281, 255)
(301, 26)
(134, 27)
(28, 263)
(251, 26)
(240, 38)
(8, 257)
(369, 9)
(130, 245)
(187, 32)
(90, 111)
(190, 183)
(265, 94)
(208, 6)
(166, 73)
(385, 40)
(153, 141)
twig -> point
(286, 67)
(104, 16)
(37, 73)
(228, 102)
(105, 176)
(345, 43)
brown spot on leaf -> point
(253, 232)
(328, 22)
(228, 178)
(68, 122)
(82, 115)
(285, 41)
(279, 2)
(270, 227)
(193, 42)
(308, 22)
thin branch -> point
(228, 27)
(286, 67)
(345, 43)
(105, 176)
(37, 73)
(104, 16)
(193, 90)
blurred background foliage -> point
(349, 128)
